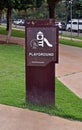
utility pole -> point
(71, 2)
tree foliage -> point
(65, 6)
(15, 4)
(38, 3)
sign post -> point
(41, 56)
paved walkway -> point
(69, 71)
(12, 118)
(13, 40)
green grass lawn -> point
(70, 42)
(73, 36)
(15, 33)
(12, 86)
(12, 75)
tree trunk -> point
(51, 5)
(7, 26)
(9, 23)
(0, 17)
(51, 11)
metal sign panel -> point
(41, 43)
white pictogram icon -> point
(41, 40)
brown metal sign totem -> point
(41, 55)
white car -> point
(17, 22)
(61, 25)
(75, 25)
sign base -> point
(40, 84)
